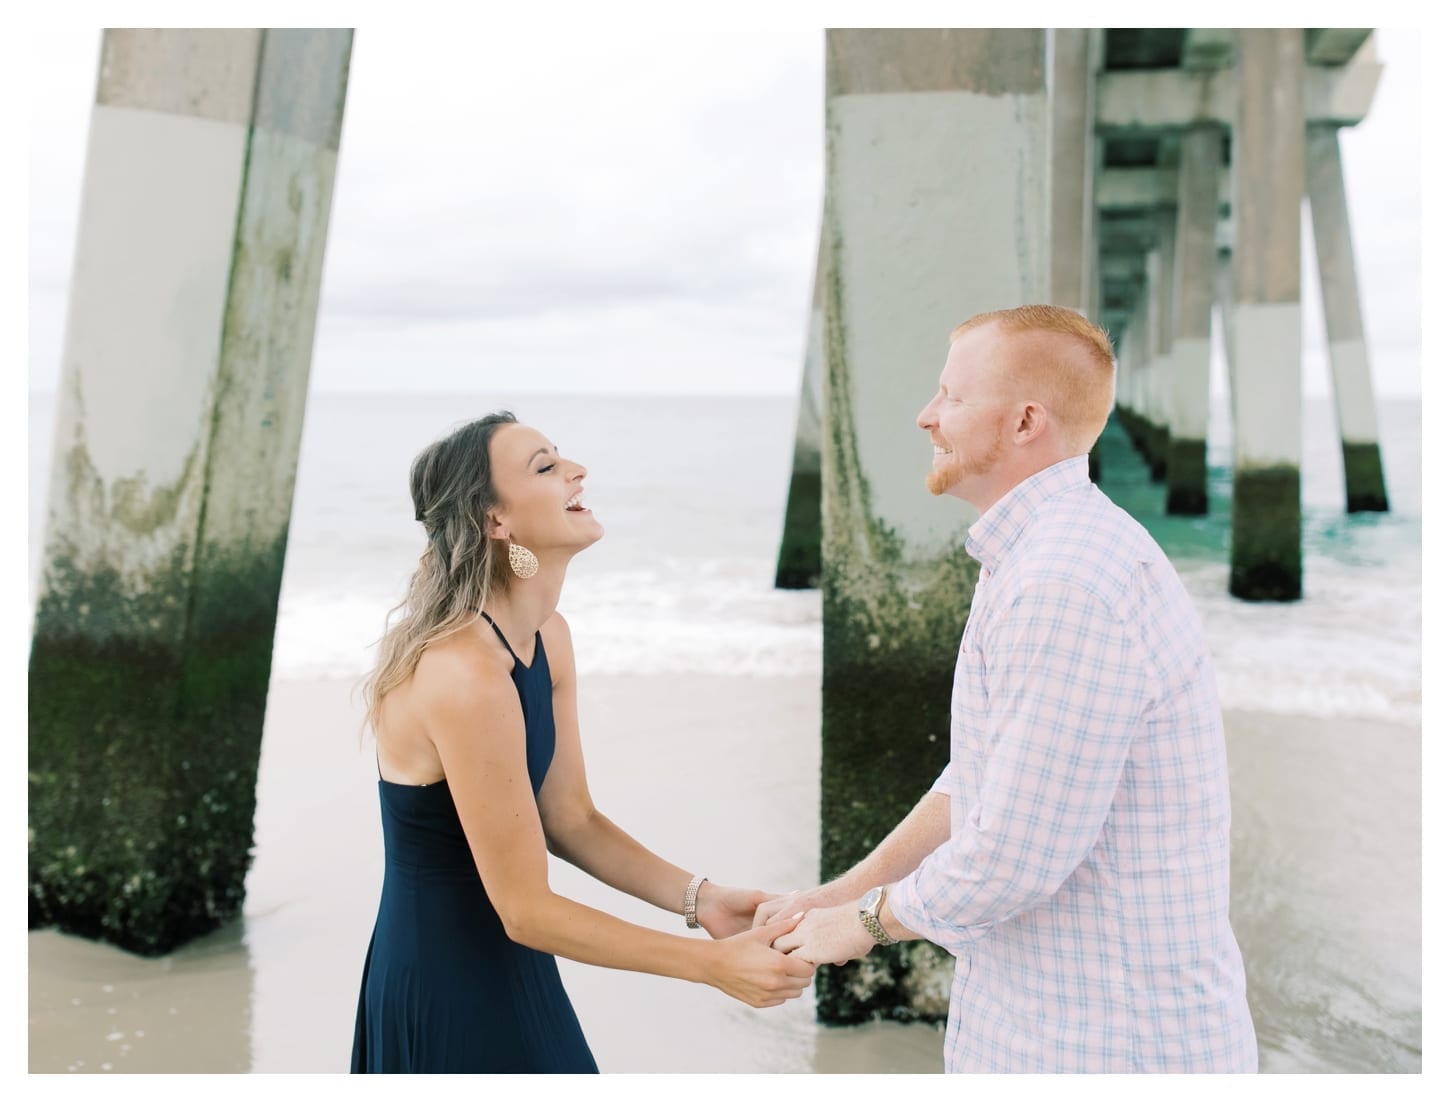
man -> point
(1074, 855)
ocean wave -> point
(632, 622)
(1351, 647)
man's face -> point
(967, 419)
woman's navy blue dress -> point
(443, 988)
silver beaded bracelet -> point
(691, 893)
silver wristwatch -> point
(870, 912)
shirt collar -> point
(992, 536)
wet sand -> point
(716, 773)
(1326, 889)
(720, 774)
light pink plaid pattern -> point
(1085, 888)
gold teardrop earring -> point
(522, 561)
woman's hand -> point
(724, 911)
(745, 967)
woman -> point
(481, 774)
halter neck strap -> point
(500, 635)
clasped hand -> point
(749, 968)
(826, 935)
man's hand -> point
(832, 935)
(778, 907)
(724, 911)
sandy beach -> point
(1326, 889)
(719, 773)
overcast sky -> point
(617, 210)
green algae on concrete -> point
(1135, 427)
(885, 721)
(1266, 557)
(1364, 479)
(892, 626)
(143, 756)
(1156, 440)
(1187, 477)
(154, 626)
(799, 564)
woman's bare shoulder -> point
(462, 670)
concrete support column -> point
(1166, 305)
(1193, 276)
(1268, 183)
(799, 564)
(1142, 344)
(1223, 297)
(1135, 375)
(1135, 334)
(924, 228)
(1074, 157)
(1143, 341)
(204, 214)
(1121, 382)
(1070, 169)
(1364, 478)
(1160, 342)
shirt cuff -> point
(909, 897)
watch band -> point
(872, 921)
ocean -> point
(1322, 696)
(691, 492)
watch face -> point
(870, 899)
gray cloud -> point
(507, 197)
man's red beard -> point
(941, 479)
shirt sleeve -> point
(944, 781)
(1069, 688)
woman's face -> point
(540, 493)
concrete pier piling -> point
(1134, 377)
(799, 563)
(204, 215)
(1159, 95)
(1143, 338)
(1071, 225)
(936, 209)
(1075, 153)
(1187, 460)
(1364, 478)
(1223, 296)
(1160, 368)
(1268, 183)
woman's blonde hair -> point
(451, 482)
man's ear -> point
(1032, 423)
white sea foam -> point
(621, 623)
(1351, 647)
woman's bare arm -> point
(473, 716)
